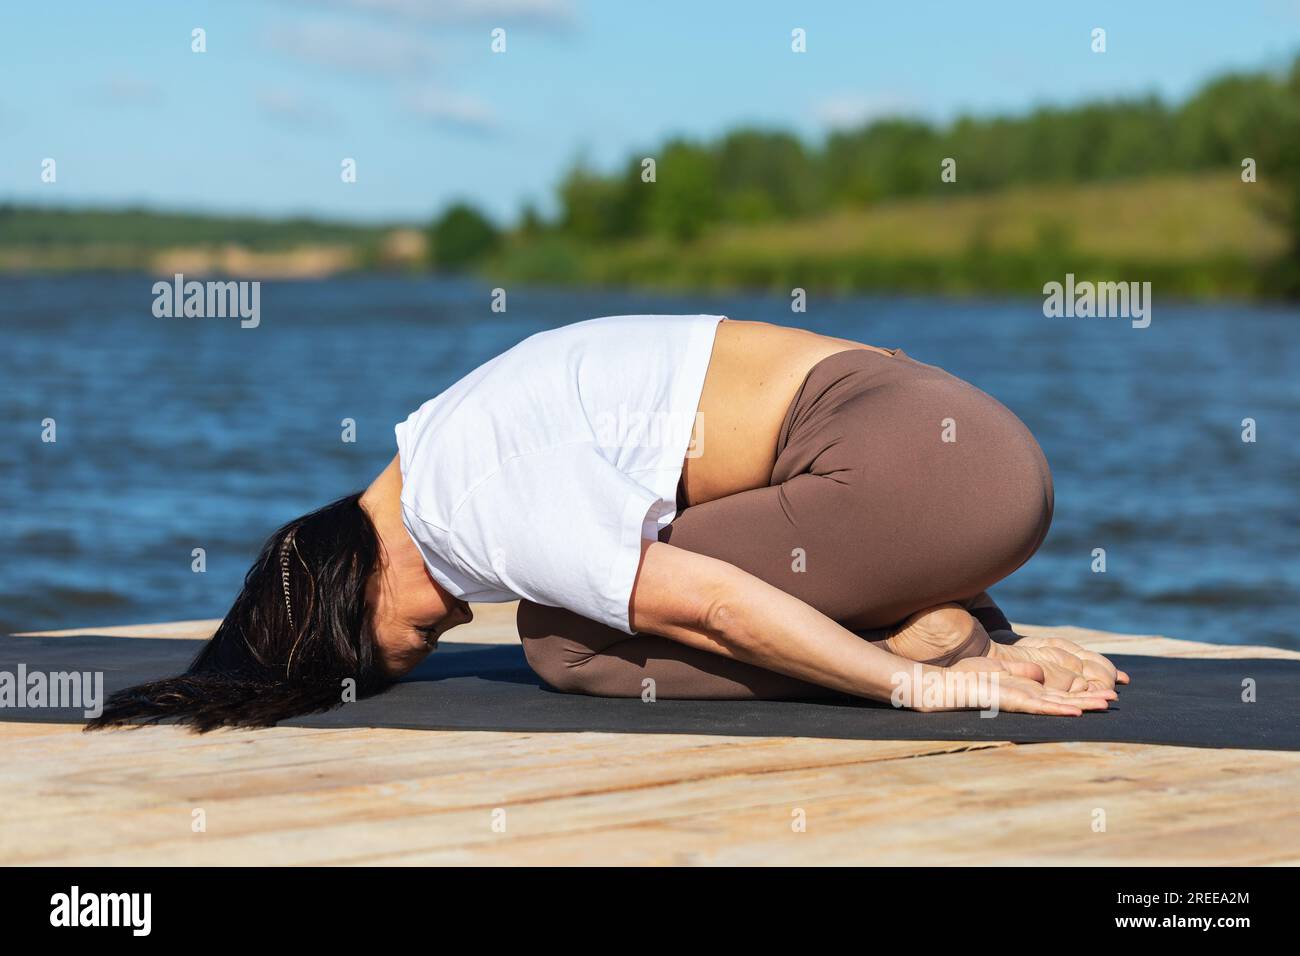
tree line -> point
(752, 176)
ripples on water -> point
(182, 433)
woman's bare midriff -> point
(753, 376)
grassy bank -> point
(1197, 235)
(35, 239)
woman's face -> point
(409, 611)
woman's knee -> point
(1015, 505)
(1030, 502)
(979, 509)
(554, 646)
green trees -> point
(748, 176)
(753, 176)
(765, 175)
(461, 236)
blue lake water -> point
(175, 434)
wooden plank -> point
(335, 794)
(1104, 642)
(1014, 805)
(298, 795)
(202, 628)
(493, 624)
(411, 797)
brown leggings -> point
(896, 487)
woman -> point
(690, 505)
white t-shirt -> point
(538, 474)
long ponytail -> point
(296, 640)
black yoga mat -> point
(1192, 703)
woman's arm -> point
(709, 604)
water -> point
(175, 434)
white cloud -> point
(292, 108)
(405, 58)
(533, 13)
(344, 46)
(448, 108)
(851, 110)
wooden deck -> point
(299, 796)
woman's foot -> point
(948, 633)
(940, 635)
(1066, 665)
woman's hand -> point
(716, 607)
(1066, 666)
(1016, 687)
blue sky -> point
(411, 90)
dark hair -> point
(273, 658)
